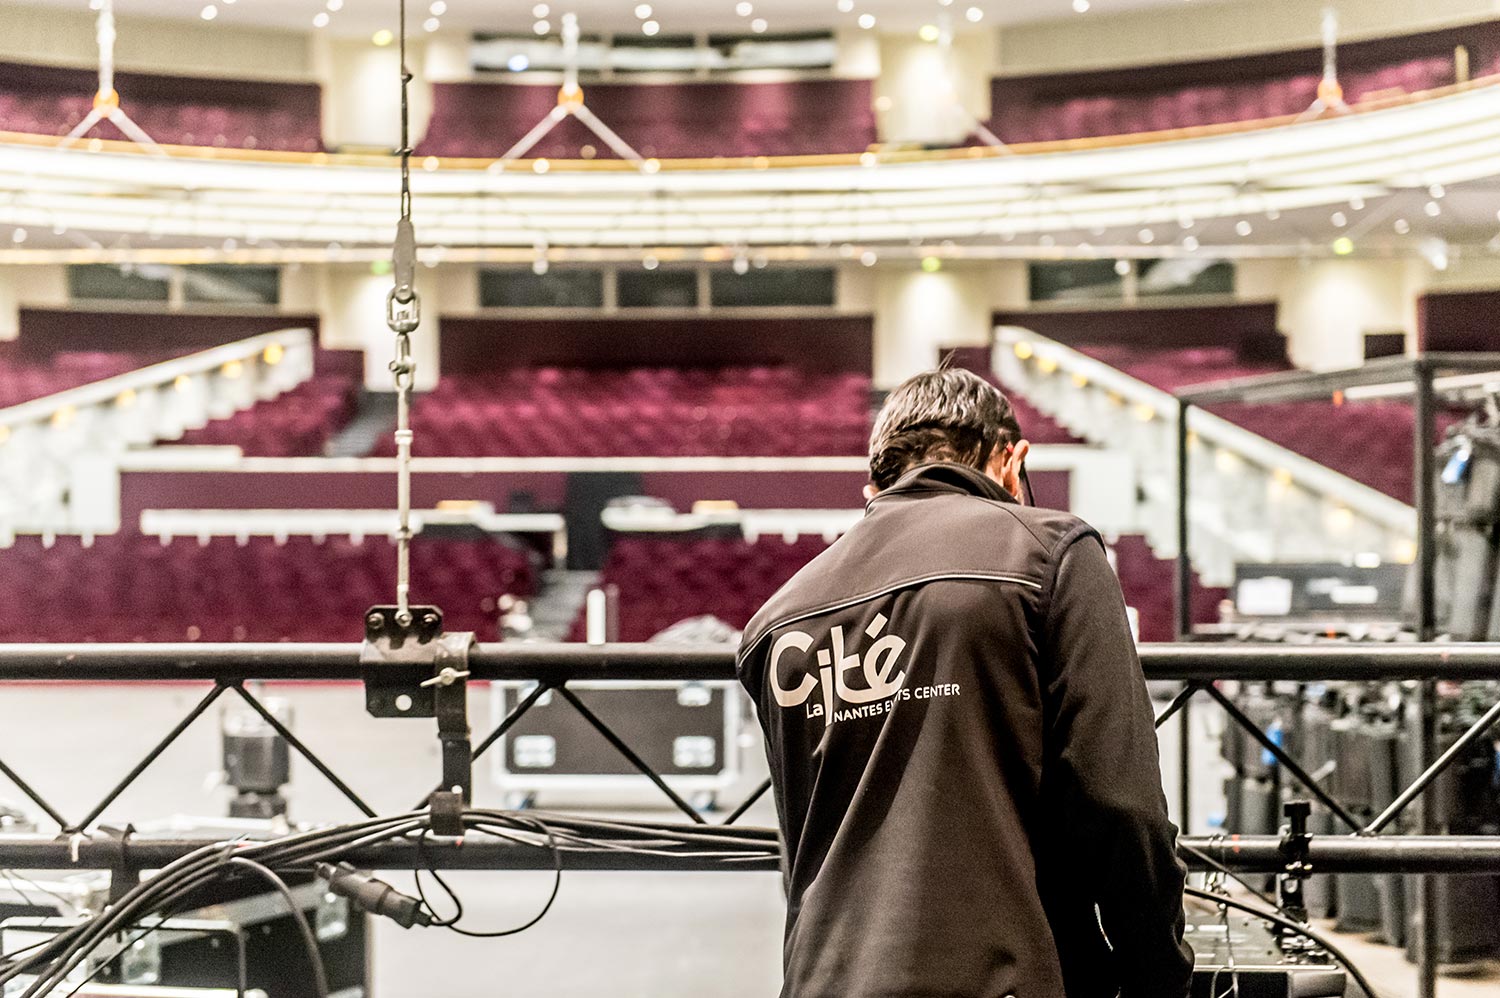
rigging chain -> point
(403, 313)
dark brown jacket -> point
(961, 744)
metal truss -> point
(430, 672)
(228, 667)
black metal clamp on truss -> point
(414, 669)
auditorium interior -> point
(399, 394)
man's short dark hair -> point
(943, 415)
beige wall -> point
(917, 314)
(1204, 29)
(920, 81)
(65, 36)
(364, 108)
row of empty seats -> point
(176, 110)
(663, 580)
(666, 120)
(24, 377)
(131, 587)
(298, 423)
(1370, 442)
(1041, 117)
(642, 412)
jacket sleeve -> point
(1105, 782)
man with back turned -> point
(960, 737)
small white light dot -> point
(1357, 203)
(1272, 214)
(867, 21)
(1122, 267)
(652, 165)
(744, 9)
(650, 262)
(759, 25)
(320, 20)
(1433, 209)
(642, 10)
(845, 6)
(1339, 219)
(539, 266)
(1185, 222)
(542, 27)
(18, 236)
(868, 258)
(540, 10)
(1048, 241)
(1243, 227)
(431, 24)
(438, 8)
(741, 265)
(518, 63)
(1146, 236)
(1437, 191)
(541, 166)
(209, 13)
(975, 15)
(1081, 6)
(650, 28)
(1190, 244)
(1402, 226)
(334, 6)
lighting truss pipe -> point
(1445, 854)
(558, 663)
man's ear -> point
(870, 491)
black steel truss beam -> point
(559, 663)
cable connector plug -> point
(373, 895)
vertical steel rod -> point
(1185, 768)
(1183, 583)
(1423, 431)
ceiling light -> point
(539, 266)
(518, 63)
(1343, 245)
(929, 33)
(868, 258)
(542, 27)
(1190, 244)
(845, 6)
(758, 25)
(320, 19)
(1272, 214)
(438, 8)
(1402, 226)
(335, 6)
(1243, 227)
(1433, 209)
(1146, 236)
(744, 9)
(650, 262)
(541, 166)
(931, 265)
(431, 24)
(209, 13)
(1081, 6)
(741, 264)
(382, 38)
(650, 27)
(975, 15)
(1436, 190)
(1357, 203)
(18, 236)
(643, 10)
(1339, 219)
(867, 21)
(540, 10)
(1122, 267)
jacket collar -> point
(945, 476)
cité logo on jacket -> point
(882, 680)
